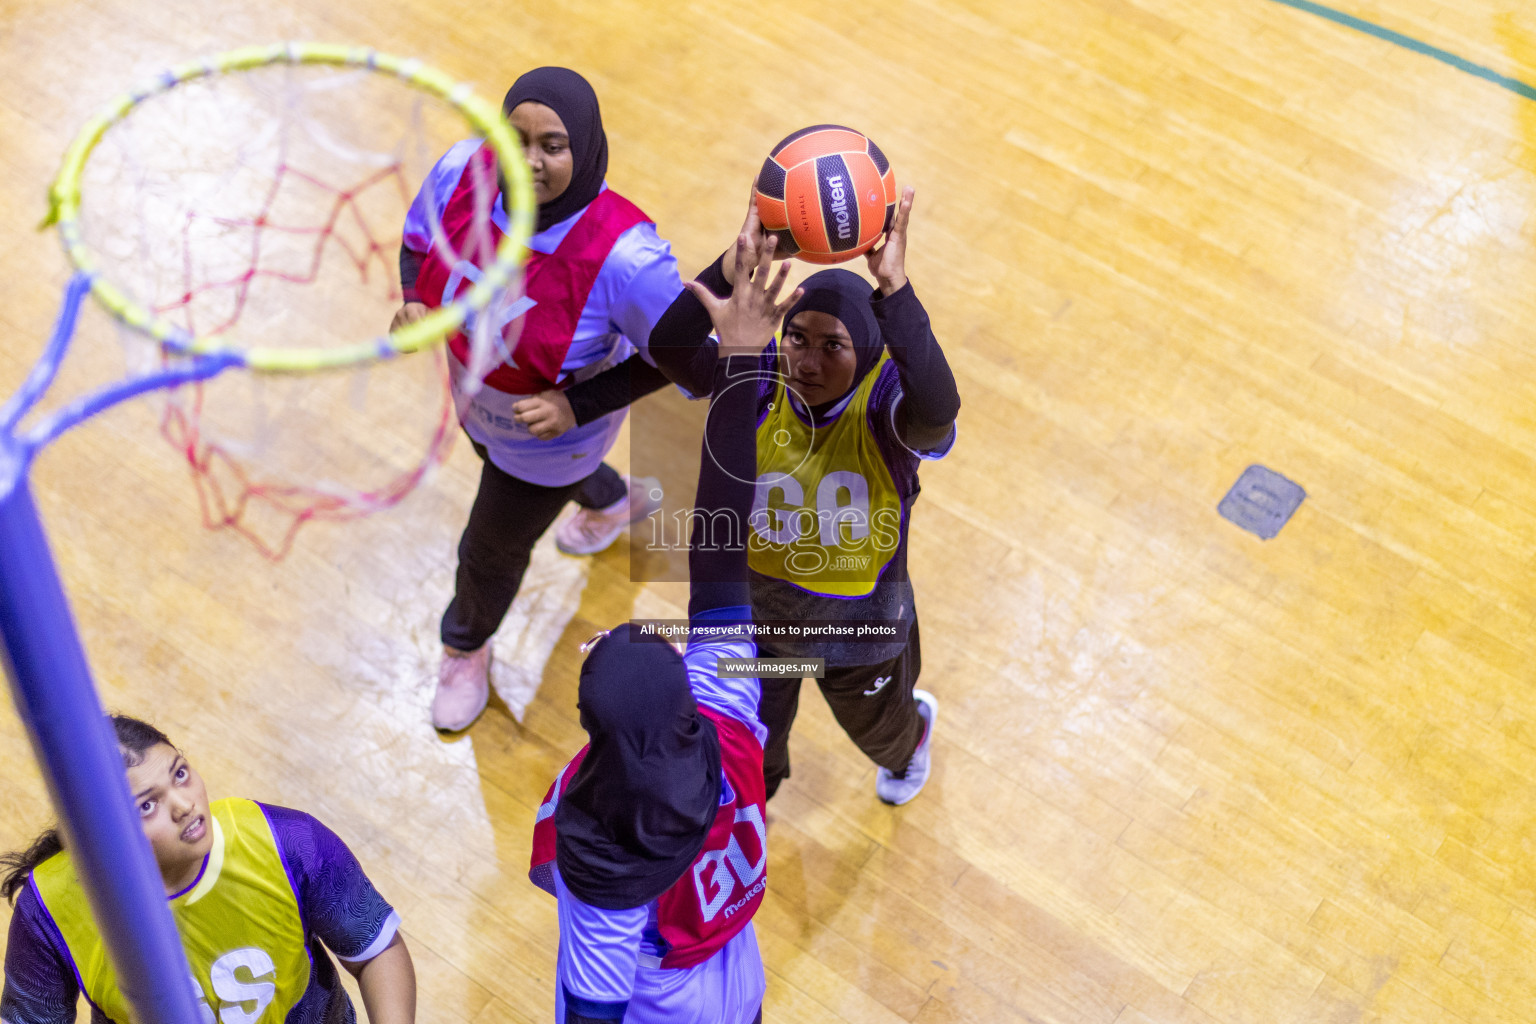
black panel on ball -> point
(770, 180)
(792, 136)
(787, 245)
(881, 163)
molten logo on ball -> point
(840, 208)
(827, 193)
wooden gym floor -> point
(1182, 774)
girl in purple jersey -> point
(598, 277)
(253, 886)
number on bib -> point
(784, 524)
(742, 870)
(831, 514)
(204, 1011)
(778, 525)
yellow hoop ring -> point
(486, 119)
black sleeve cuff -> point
(410, 269)
(613, 389)
(897, 303)
(713, 277)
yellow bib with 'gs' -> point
(827, 515)
(239, 924)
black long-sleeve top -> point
(925, 402)
(717, 555)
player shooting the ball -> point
(855, 396)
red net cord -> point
(233, 493)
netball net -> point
(253, 207)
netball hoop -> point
(242, 212)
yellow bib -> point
(827, 515)
(239, 924)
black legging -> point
(873, 704)
(508, 518)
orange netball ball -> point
(827, 192)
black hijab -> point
(846, 296)
(569, 95)
(640, 806)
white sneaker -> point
(899, 787)
(591, 530)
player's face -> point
(819, 359)
(547, 148)
(172, 805)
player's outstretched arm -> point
(679, 343)
(930, 399)
(745, 322)
(615, 388)
(888, 261)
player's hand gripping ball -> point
(827, 192)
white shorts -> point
(725, 989)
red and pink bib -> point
(723, 888)
(556, 284)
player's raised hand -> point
(547, 414)
(746, 321)
(751, 234)
(888, 263)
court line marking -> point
(1514, 85)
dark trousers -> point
(873, 704)
(508, 517)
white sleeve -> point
(598, 955)
(652, 287)
(734, 696)
(427, 209)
